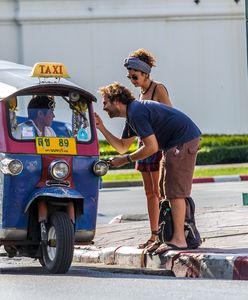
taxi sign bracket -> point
(49, 80)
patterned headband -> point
(137, 64)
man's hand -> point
(118, 161)
(98, 121)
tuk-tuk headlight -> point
(15, 167)
(59, 169)
(100, 168)
(11, 166)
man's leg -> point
(180, 163)
(162, 171)
(178, 210)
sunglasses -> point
(132, 77)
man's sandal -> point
(167, 247)
(147, 243)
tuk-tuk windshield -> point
(48, 116)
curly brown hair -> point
(145, 56)
(117, 91)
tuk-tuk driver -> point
(40, 115)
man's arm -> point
(149, 147)
(121, 145)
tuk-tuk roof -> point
(16, 78)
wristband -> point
(129, 159)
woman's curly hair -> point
(117, 91)
(145, 56)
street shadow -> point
(89, 271)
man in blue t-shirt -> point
(160, 128)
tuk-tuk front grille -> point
(53, 182)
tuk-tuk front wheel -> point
(58, 253)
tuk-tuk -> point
(50, 171)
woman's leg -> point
(151, 186)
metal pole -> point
(246, 14)
(19, 33)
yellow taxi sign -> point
(49, 69)
(56, 145)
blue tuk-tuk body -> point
(47, 182)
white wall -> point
(200, 49)
(8, 31)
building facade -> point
(200, 49)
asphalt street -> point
(132, 200)
(85, 282)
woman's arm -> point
(162, 95)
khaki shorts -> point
(179, 165)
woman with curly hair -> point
(139, 64)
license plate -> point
(56, 145)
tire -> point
(41, 261)
(57, 258)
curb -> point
(227, 178)
(193, 263)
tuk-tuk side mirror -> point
(74, 96)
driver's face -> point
(110, 107)
(48, 117)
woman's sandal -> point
(146, 244)
(149, 242)
(153, 246)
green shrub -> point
(107, 150)
(214, 149)
(223, 140)
(222, 155)
(223, 149)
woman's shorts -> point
(179, 165)
(149, 164)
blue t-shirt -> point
(170, 126)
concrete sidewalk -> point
(222, 255)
